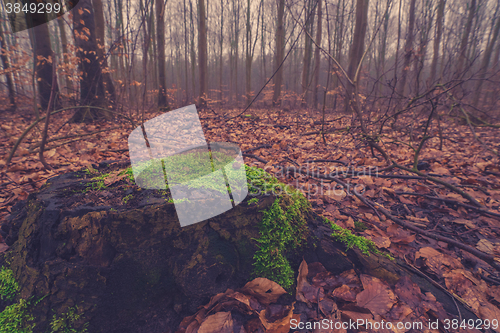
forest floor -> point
(272, 139)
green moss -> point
(8, 285)
(127, 198)
(129, 172)
(67, 321)
(283, 229)
(16, 318)
(360, 226)
(253, 200)
(346, 237)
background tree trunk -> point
(317, 58)
(160, 36)
(101, 46)
(202, 49)
(45, 59)
(357, 46)
(408, 48)
(91, 82)
(279, 53)
(465, 39)
(6, 67)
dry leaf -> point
(438, 262)
(264, 290)
(376, 296)
(221, 322)
(486, 246)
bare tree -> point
(103, 59)
(7, 68)
(91, 83)
(437, 40)
(279, 53)
(160, 49)
(487, 57)
(44, 58)
(317, 59)
(357, 47)
(408, 48)
(465, 39)
(202, 49)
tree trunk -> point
(91, 81)
(408, 48)
(437, 40)
(248, 57)
(45, 59)
(465, 39)
(99, 30)
(307, 53)
(317, 58)
(486, 61)
(64, 42)
(357, 47)
(221, 44)
(202, 49)
(6, 67)
(160, 36)
(279, 53)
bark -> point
(6, 67)
(99, 29)
(357, 47)
(486, 61)
(317, 58)
(437, 40)
(408, 48)
(279, 53)
(160, 36)
(248, 57)
(465, 39)
(383, 49)
(307, 54)
(202, 49)
(221, 44)
(44, 55)
(91, 81)
(64, 42)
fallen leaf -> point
(376, 296)
(305, 292)
(264, 290)
(221, 322)
(486, 246)
(437, 262)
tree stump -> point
(131, 267)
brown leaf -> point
(264, 290)
(345, 293)
(408, 291)
(305, 292)
(3, 247)
(438, 262)
(281, 325)
(485, 246)
(376, 296)
(221, 322)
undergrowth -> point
(16, 318)
(65, 323)
(8, 285)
